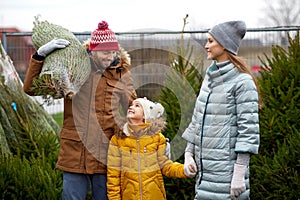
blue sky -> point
(128, 15)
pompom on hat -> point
(103, 38)
(152, 110)
(229, 34)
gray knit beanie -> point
(229, 34)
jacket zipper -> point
(201, 138)
(88, 122)
(139, 167)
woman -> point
(224, 130)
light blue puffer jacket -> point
(225, 122)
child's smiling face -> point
(135, 113)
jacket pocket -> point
(71, 149)
(127, 159)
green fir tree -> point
(275, 172)
(178, 97)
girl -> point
(136, 157)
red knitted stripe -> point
(104, 46)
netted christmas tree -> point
(64, 70)
(275, 171)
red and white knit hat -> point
(103, 38)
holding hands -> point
(190, 168)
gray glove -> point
(51, 46)
(168, 149)
(190, 168)
(238, 185)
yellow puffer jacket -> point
(137, 163)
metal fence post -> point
(3, 40)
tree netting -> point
(64, 70)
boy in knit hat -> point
(136, 157)
(92, 117)
(224, 130)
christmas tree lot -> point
(29, 135)
(28, 139)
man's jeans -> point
(76, 186)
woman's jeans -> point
(76, 186)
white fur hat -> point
(152, 110)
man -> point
(93, 115)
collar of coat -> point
(223, 74)
(155, 127)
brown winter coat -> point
(92, 117)
(136, 165)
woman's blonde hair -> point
(241, 65)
